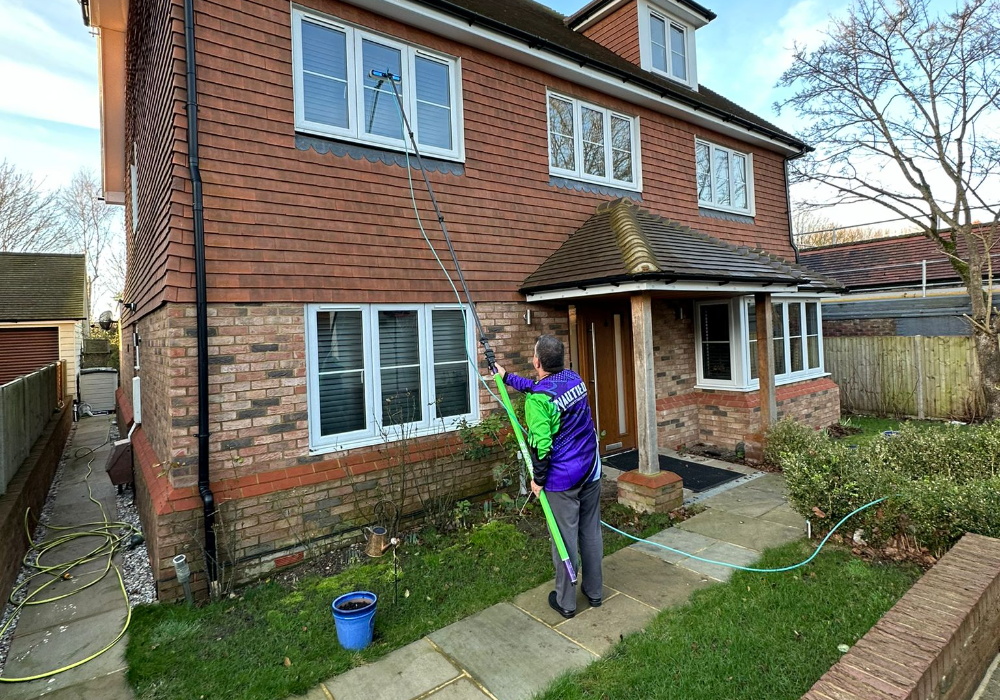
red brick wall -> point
(859, 327)
(619, 31)
(284, 225)
(937, 642)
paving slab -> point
(751, 533)
(784, 515)
(462, 689)
(113, 686)
(536, 603)
(745, 501)
(599, 629)
(62, 645)
(772, 483)
(513, 655)
(723, 551)
(690, 542)
(406, 673)
(101, 597)
(650, 580)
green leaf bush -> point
(943, 481)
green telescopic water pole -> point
(387, 76)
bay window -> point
(375, 371)
(334, 95)
(726, 340)
(588, 142)
(724, 178)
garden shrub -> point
(788, 437)
(943, 481)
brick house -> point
(327, 323)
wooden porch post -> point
(765, 362)
(645, 384)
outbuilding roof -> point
(624, 243)
(42, 287)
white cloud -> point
(47, 74)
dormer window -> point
(669, 44)
(666, 40)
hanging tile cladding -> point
(290, 225)
(160, 263)
(619, 31)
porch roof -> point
(622, 243)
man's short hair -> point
(551, 353)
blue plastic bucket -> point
(355, 626)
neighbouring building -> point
(593, 187)
(43, 313)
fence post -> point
(918, 352)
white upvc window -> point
(378, 372)
(724, 178)
(335, 97)
(726, 342)
(667, 42)
(593, 143)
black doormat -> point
(697, 477)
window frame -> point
(668, 23)
(608, 114)
(372, 433)
(739, 344)
(647, 10)
(751, 209)
(354, 36)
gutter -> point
(201, 304)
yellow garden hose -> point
(114, 534)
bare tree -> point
(902, 107)
(94, 228)
(29, 219)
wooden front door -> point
(604, 337)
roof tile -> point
(42, 287)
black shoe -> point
(594, 602)
(568, 614)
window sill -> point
(569, 183)
(755, 386)
(715, 208)
(369, 441)
(304, 140)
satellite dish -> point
(105, 321)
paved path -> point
(990, 689)
(56, 634)
(513, 650)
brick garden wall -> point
(855, 327)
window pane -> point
(398, 341)
(778, 321)
(678, 52)
(341, 403)
(795, 348)
(561, 134)
(721, 171)
(753, 359)
(621, 144)
(448, 327)
(780, 366)
(752, 337)
(381, 114)
(399, 359)
(658, 38)
(433, 103)
(794, 319)
(795, 336)
(715, 323)
(813, 351)
(451, 386)
(340, 342)
(716, 362)
(779, 356)
(324, 78)
(812, 318)
(704, 165)
(340, 350)
(594, 154)
(401, 400)
(740, 181)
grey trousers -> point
(578, 514)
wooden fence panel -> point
(916, 376)
(26, 406)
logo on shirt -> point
(571, 397)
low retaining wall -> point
(936, 642)
(28, 489)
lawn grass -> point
(759, 636)
(872, 428)
(236, 648)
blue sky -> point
(49, 110)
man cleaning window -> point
(564, 451)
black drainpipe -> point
(201, 304)
(788, 206)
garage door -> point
(23, 350)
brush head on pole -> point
(384, 75)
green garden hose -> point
(114, 534)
